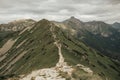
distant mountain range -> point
(17, 25)
(116, 25)
(51, 50)
(97, 34)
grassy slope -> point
(5, 35)
(42, 53)
(76, 52)
(105, 45)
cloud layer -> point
(85, 10)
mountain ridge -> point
(38, 49)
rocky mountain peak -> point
(22, 21)
(74, 20)
(44, 22)
(17, 25)
(116, 24)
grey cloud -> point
(105, 10)
(113, 2)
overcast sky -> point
(85, 10)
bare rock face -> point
(17, 25)
(99, 27)
(74, 23)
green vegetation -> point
(40, 52)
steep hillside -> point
(116, 25)
(30, 43)
(97, 34)
(50, 51)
